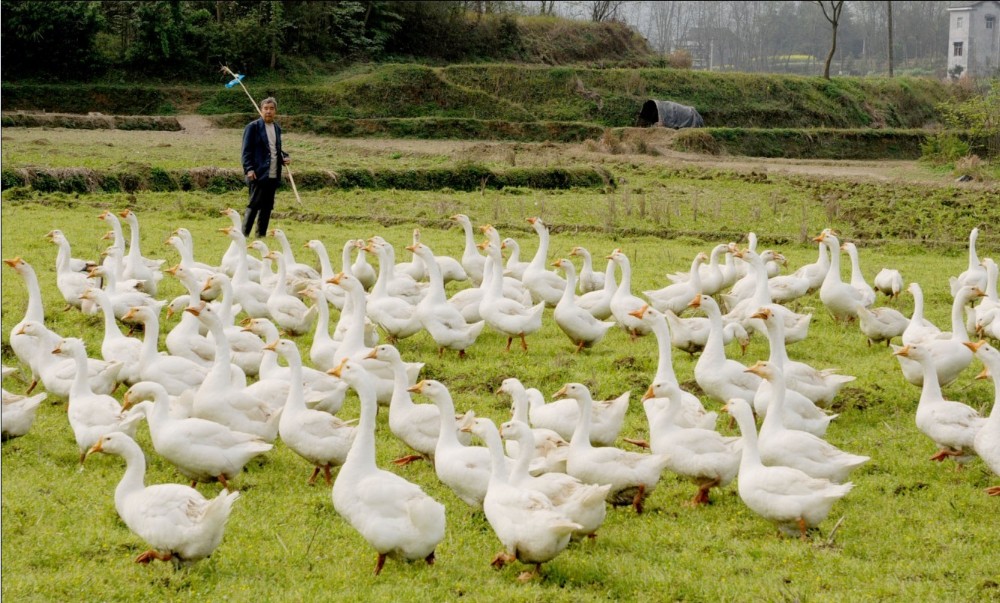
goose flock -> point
(217, 396)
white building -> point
(974, 39)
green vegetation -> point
(516, 93)
(979, 116)
(805, 143)
(62, 537)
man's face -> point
(268, 111)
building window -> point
(958, 22)
(990, 19)
(958, 49)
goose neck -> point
(80, 385)
(930, 392)
(498, 463)
(748, 431)
(665, 361)
(135, 473)
(362, 453)
(581, 433)
(150, 338)
(36, 310)
(958, 331)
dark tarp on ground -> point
(669, 115)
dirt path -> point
(658, 139)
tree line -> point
(779, 36)
(177, 39)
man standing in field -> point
(261, 166)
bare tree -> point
(831, 11)
(888, 6)
(547, 7)
(605, 10)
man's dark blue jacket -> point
(256, 152)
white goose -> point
(952, 425)
(354, 347)
(796, 325)
(395, 516)
(323, 351)
(675, 297)
(975, 274)
(702, 455)
(717, 375)
(472, 260)
(598, 302)
(577, 323)
(247, 350)
(789, 447)
(464, 469)
(222, 398)
(397, 283)
(17, 412)
(504, 315)
(948, 354)
(544, 285)
(293, 268)
(25, 346)
(247, 292)
(175, 373)
(840, 298)
(690, 412)
(71, 283)
(58, 375)
(987, 440)
(815, 273)
(286, 310)
(317, 436)
(449, 267)
(201, 450)
(186, 339)
(919, 328)
(889, 282)
(91, 415)
(237, 249)
(514, 267)
(819, 386)
(582, 503)
(790, 498)
(321, 391)
(690, 334)
(397, 315)
(176, 521)
(115, 346)
(551, 448)
(416, 425)
(857, 277)
(881, 323)
(747, 286)
(631, 476)
(530, 528)
(123, 298)
(988, 310)
(443, 321)
(136, 266)
(361, 269)
(198, 271)
(334, 295)
(589, 280)
(712, 278)
(623, 303)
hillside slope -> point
(519, 93)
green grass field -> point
(911, 529)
